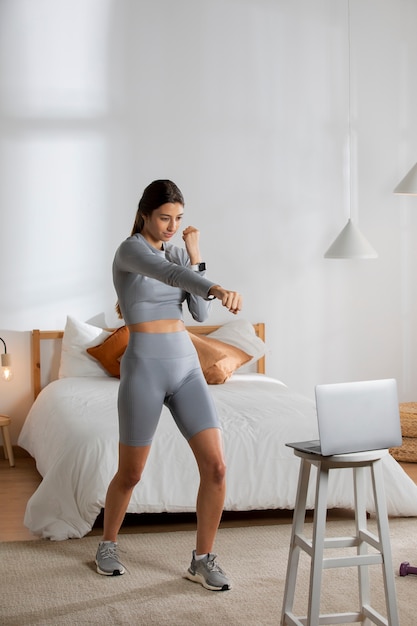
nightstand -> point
(5, 422)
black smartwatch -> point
(198, 267)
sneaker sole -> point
(115, 572)
(198, 578)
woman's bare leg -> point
(132, 461)
(207, 447)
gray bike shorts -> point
(158, 369)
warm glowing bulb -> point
(6, 367)
(7, 374)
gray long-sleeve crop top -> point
(152, 284)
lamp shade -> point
(408, 185)
(350, 244)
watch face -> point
(201, 267)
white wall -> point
(243, 103)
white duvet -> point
(72, 432)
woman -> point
(152, 279)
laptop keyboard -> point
(314, 448)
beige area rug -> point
(53, 583)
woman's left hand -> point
(191, 237)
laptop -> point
(355, 417)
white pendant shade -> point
(350, 244)
(408, 185)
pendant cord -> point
(349, 155)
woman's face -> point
(163, 223)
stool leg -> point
(3, 435)
(297, 529)
(384, 538)
(359, 481)
(319, 532)
(8, 450)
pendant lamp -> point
(408, 185)
(6, 372)
(350, 243)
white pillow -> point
(75, 361)
(241, 334)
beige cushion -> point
(218, 360)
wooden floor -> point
(18, 483)
(16, 486)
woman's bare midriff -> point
(158, 326)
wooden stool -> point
(358, 461)
(5, 422)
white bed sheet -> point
(72, 432)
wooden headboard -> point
(41, 335)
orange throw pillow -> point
(218, 360)
(111, 350)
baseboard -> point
(18, 452)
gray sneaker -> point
(208, 573)
(107, 560)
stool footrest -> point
(368, 537)
(328, 618)
(373, 615)
(353, 561)
(339, 618)
(339, 542)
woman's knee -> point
(215, 471)
(132, 462)
(128, 478)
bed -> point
(72, 433)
